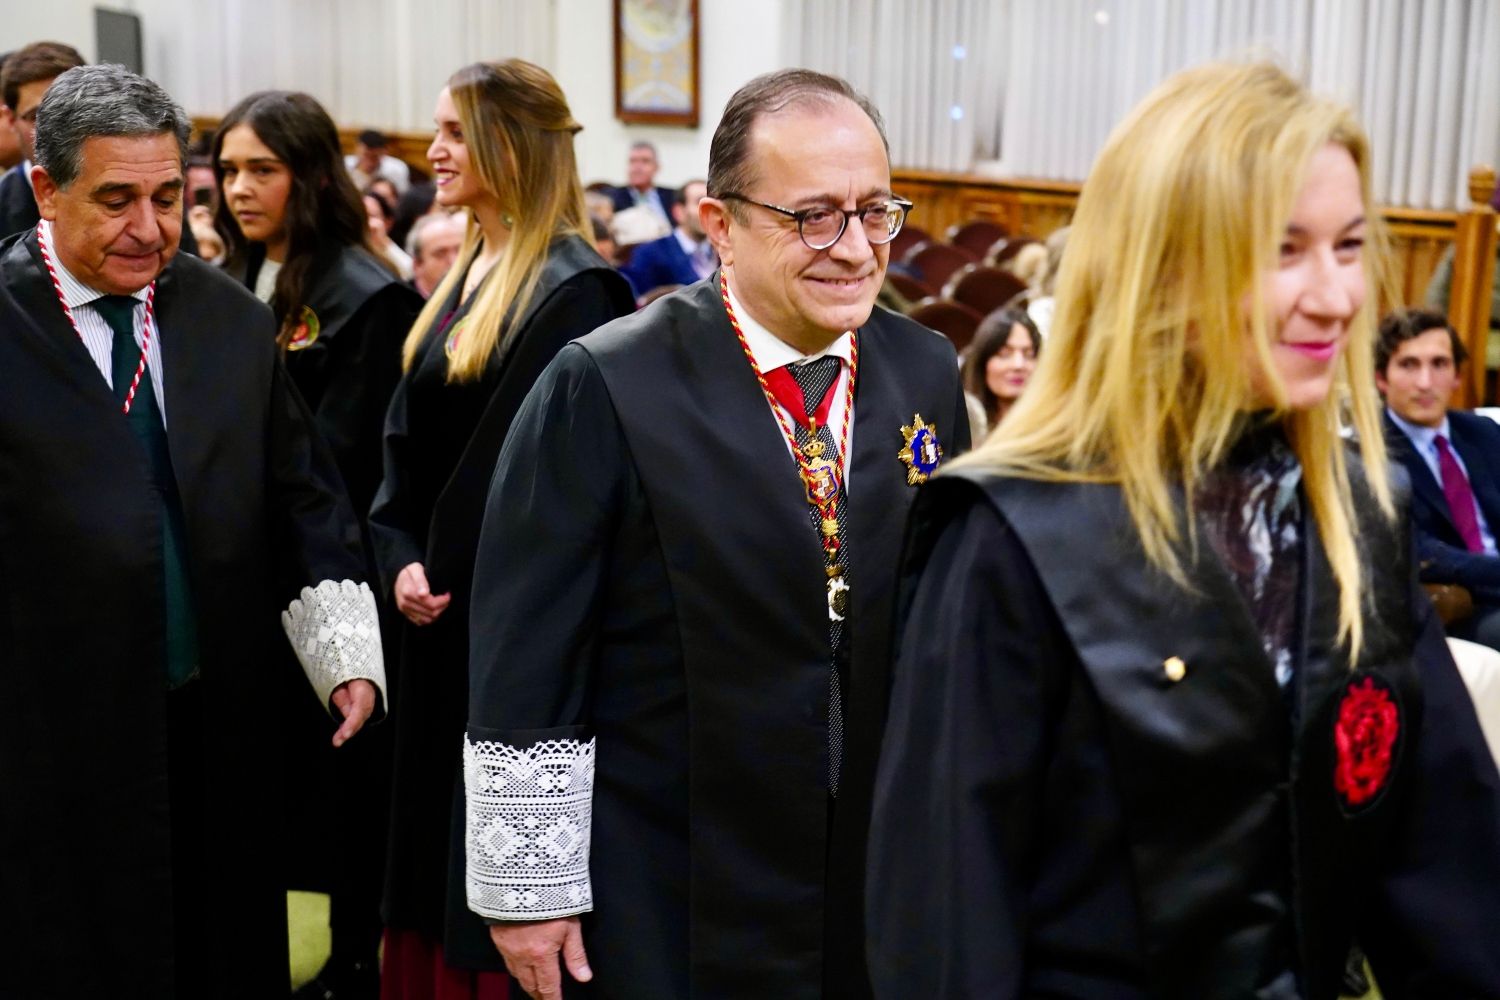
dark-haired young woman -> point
(997, 366)
(296, 232)
(526, 282)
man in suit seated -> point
(1453, 458)
(681, 257)
(639, 189)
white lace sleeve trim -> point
(335, 631)
(527, 817)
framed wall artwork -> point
(656, 62)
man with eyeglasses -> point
(685, 586)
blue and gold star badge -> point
(922, 451)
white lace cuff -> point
(527, 818)
(335, 631)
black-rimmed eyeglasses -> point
(821, 227)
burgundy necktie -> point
(1460, 497)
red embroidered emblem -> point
(1365, 737)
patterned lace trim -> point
(335, 631)
(527, 828)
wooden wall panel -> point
(1036, 208)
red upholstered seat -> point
(953, 320)
(937, 262)
(908, 239)
(978, 236)
(983, 288)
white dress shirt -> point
(770, 353)
(97, 336)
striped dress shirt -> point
(98, 338)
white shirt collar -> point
(689, 245)
(771, 352)
(26, 173)
(75, 292)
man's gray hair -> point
(419, 229)
(89, 102)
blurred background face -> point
(1420, 378)
(1009, 369)
(640, 168)
(1318, 282)
(257, 186)
(368, 157)
(687, 212)
(28, 96)
(380, 223)
(436, 252)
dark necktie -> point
(816, 379)
(1460, 497)
(181, 647)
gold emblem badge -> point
(306, 332)
(922, 451)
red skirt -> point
(413, 969)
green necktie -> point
(145, 421)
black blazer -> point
(1441, 553)
(18, 210)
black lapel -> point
(183, 370)
(1425, 489)
(27, 281)
(879, 495)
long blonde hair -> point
(519, 131)
(1144, 381)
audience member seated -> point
(997, 366)
(600, 205)
(1453, 459)
(411, 206)
(683, 256)
(604, 241)
(1041, 305)
(640, 184)
(382, 215)
(28, 73)
(370, 160)
(202, 189)
(10, 143)
(1029, 264)
(210, 243)
(433, 245)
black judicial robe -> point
(346, 373)
(1054, 816)
(648, 578)
(441, 441)
(87, 877)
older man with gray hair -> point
(165, 501)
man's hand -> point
(415, 600)
(530, 950)
(355, 701)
